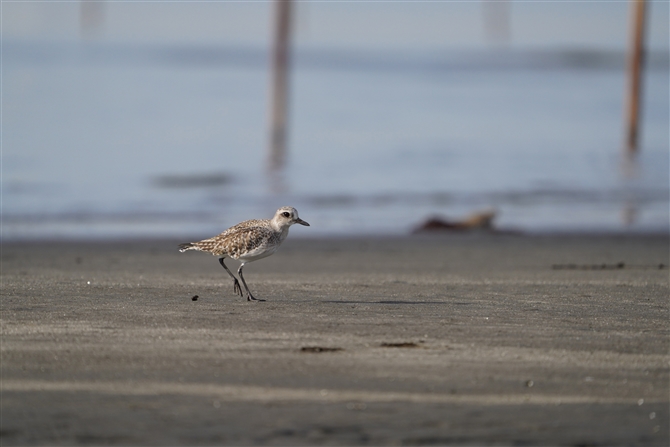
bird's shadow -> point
(390, 302)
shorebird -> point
(248, 241)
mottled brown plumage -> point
(248, 241)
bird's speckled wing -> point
(242, 239)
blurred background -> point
(150, 119)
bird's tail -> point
(187, 246)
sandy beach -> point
(423, 340)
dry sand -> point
(431, 340)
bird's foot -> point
(250, 297)
(237, 288)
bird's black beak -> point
(301, 222)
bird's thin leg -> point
(250, 297)
(236, 283)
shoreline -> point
(420, 339)
(361, 235)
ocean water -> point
(104, 140)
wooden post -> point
(280, 84)
(635, 61)
(497, 21)
(91, 17)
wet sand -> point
(425, 340)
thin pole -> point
(91, 17)
(635, 61)
(497, 21)
(280, 84)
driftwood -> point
(478, 221)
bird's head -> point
(287, 216)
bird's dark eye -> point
(286, 214)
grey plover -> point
(248, 241)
